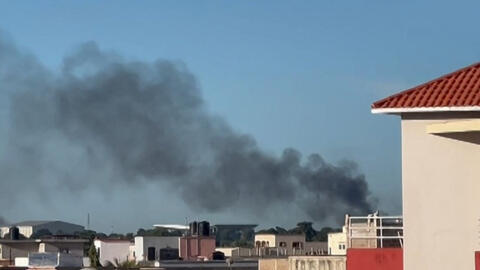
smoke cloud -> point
(103, 120)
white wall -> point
(142, 243)
(110, 251)
(441, 194)
(337, 242)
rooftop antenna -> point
(88, 221)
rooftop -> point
(8, 241)
(456, 91)
(235, 225)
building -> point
(440, 127)
(112, 251)
(284, 244)
(304, 263)
(27, 228)
(194, 247)
(236, 251)
(12, 249)
(151, 248)
(337, 243)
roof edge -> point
(425, 109)
(442, 77)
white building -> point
(11, 249)
(27, 228)
(440, 127)
(337, 243)
(148, 248)
(112, 250)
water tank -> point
(14, 233)
(193, 228)
(204, 228)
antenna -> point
(88, 221)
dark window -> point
(151, 254)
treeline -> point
(306, 228)
(90, 234)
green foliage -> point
(322, 235)
(306, 228)
(116, 264)
(93, 255)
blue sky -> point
(291, 73)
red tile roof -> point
(457, 91)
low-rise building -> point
(196, 247)
(337, 243)
(303, 263)
(286, 244)
(236, 251)
(112, 251)
(11, 249)
(151, 248)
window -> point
(297, 245)
(283, 244)
(151, 254)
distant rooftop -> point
(33, 222)
(36, 223)
(235, 225)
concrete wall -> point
(193, 247)
(317, 263)
(236, 251)
(69, 248)
(4, 230)
(17, 250)
(27, 231)
(316, 247)
(336, 242)
(142, 243)
(441, 193)
(376, 259)
(275, 240)
(267, 240)
(273, 264)
(112, 251)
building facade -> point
(112, 251)
(12, 249)
(197, 247)
(440, 126)
(287, 244)
(337, 243)
(150, 248)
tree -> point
(323, 233)
(305, 227)
(93, 255)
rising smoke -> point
(102, 119)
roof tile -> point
(457, 89)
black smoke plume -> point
(103, 119)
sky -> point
(299, 74)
